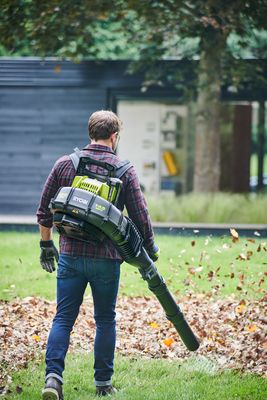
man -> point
(80, 263)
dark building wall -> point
(38, 125)
(43, 115)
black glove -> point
(48, 253)
(153, 252)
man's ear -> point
(113, 135)
(114, 140)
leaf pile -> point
(232, 332)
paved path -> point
(28, 223)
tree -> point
(65, 29)
(149, 31)
(213, 22)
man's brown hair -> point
(102, 124)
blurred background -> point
(188, 80)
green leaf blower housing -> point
(83, 214)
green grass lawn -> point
(200, 264)
(194, 379)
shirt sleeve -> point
(51, 186)
(136, 206)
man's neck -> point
(102, 142)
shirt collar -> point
(99, 147)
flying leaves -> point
(235, 235)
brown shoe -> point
(52, 390)
(105, 390)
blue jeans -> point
(73, 275)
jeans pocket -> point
(67, 266)
(107, 271)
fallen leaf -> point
(251, 328)
(168, 342)
(209, 316)
(154, 325)
(234, 234)
(18, 389)
(186, 282)
(261, 281)
(191, 270)
(240, 309)
(241, 278)
(36, 338)
(210, 275)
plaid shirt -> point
(131, 196)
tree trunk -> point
(207, 149)
(241, 148)
(261, 143)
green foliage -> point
(156, 29)
(138, 379)
(22, 276)
(76, 30)
(142, 31)
(253, 45)
(190, 29)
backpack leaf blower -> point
(87, 211)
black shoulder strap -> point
(79, 163)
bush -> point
(212, 208)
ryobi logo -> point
(99, 207)
(80, 200)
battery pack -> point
(86, 216)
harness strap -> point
(120, 168)
(75, 157)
